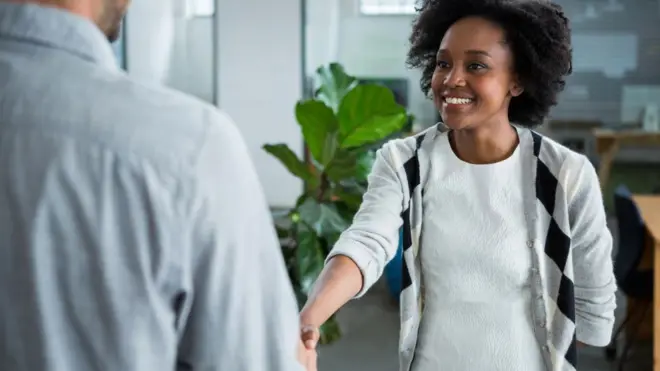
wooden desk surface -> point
(607, 139)
(649, 206)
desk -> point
(608, 143)
(649, 206)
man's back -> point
(133, 232)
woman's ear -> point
(516, 90)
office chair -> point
(634, 283)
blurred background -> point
(257, 59)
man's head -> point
(107, 14)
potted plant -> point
(341, 125)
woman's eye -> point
(476, 66)
(442, 64)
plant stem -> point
(323, 187)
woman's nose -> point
(454, 78)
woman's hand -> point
(307, 357)
(309, 338)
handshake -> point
(309, 338)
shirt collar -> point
(56, 28)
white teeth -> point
(452, 100)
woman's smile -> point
(452, 104)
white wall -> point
(322, 20)
(258, 76)
(150, 31)
(260, 80)
(164, 45)
(199, 50)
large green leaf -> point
(369, 113)
(334, 84)
(319, 127)
(322, 218)
(349, 164)
(289, 159)
(301, 199)
(342, 166)
(351, 199)
(309, 257)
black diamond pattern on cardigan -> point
(571, 353)
(537, 143)
(557, 243)
(546, 187)
(565, 299)
(411, 169)
(406, 241)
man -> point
(134, 235)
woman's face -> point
(473, 80)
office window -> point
(201, 8)
(385, 7)
(119, 46)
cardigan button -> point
(530, 243)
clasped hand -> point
(309, 338)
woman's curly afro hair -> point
(537, 32)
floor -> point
(370, 336)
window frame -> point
(201, 8)
(372, 10)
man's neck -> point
(82, 8)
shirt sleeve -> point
(594, 281)
(242, 313)
(373, 238)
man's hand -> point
(309, 337)
(307, 357)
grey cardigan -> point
(571, 245)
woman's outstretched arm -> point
(338, 283)
(361, 253)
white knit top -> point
(476, 269)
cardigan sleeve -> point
(373, 238)
(594, 281)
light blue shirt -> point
(134, 235)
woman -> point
(507, 253)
